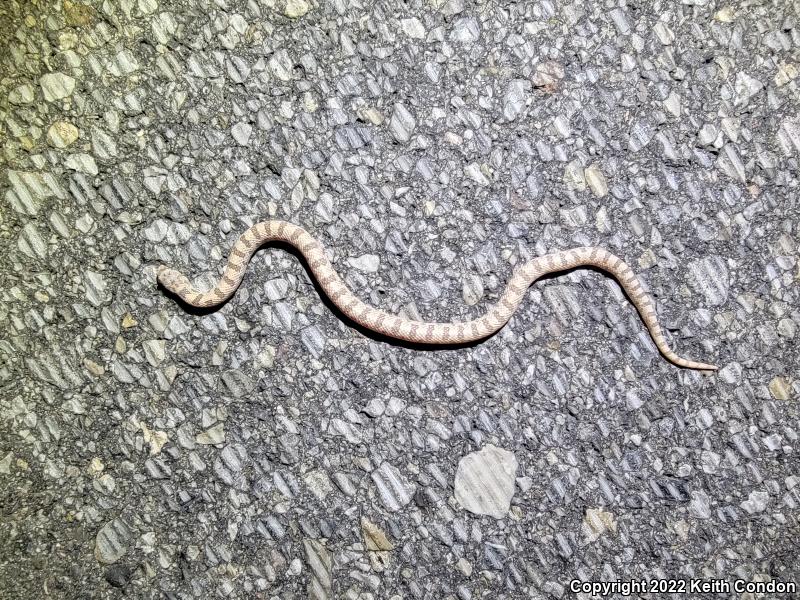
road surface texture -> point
(270, 450)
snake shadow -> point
(366, 332)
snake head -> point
(171, 279)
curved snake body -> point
(418, 331)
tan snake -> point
(406, 329)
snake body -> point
(418, 331)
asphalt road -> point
(267, 449)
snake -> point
(409, 330)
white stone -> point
(665, 35)
(171, 232)
(485, 479)
(241, 133)
(464, 566)
(708, 134)
(124, 63)
(81, 162)
(266, 358)
(375, 408)
(731, 164)
(368, 263)
(596, 522)
(574, 177)
(148, 6)
(789, 135)
(413, 28)
(745, 88)
(466, 30)
(472, 290)
(23, 94)
(319, 483)
(402, 123)
(103, 145)
(296, 8)
(96, 288)
(474, 172)
(31, 242)
(756, 502)
(786, 73)
(154, 351)
(281, 65)
(596, 180)
(213, 435)
(56, 86)
(673, 104)
(394, 490)
(725, 15)
(514, 100)
(111, 542)
(710, 277)
(700, 505)
(163, 26)
(5, 464)
(320, 565)
(156, 439)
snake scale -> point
(418, 331)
